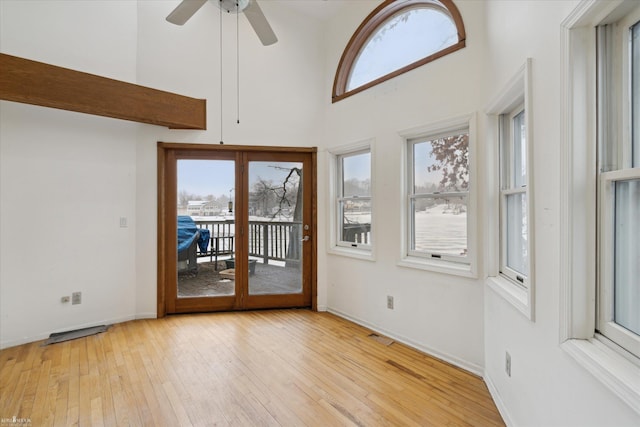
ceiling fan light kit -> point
(233, 5)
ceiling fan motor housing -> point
(235, 6)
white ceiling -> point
(322, 10)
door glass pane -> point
(627, 255)
(275, 228)
(440, 225)
(206, 227)
(517, 234)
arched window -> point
(398, 36)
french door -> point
(236, 228)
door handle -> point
(305, 239)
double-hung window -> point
(353, 199)
(438, 196)
(509, 223)
(514, 228)
(619, 182)
(599, 231)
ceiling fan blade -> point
(184, 11)
(259, 23)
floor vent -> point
(72, 335)
(382, 340)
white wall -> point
(547, 387)
(442, 314)
(460, 319)
(66, 178)
(281, 88)
(280, 85)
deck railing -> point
(269, 240)
(357, 233)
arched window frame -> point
(370, 25)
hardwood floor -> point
(284, 367)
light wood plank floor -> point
(266, 368)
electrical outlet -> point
(76, 298)
(507, 363)
(389, 302)
(123, 222)
(65, 299)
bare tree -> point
(277, 200)
(452, 158)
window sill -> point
(363, 254)
(617, 373)
(514, 294)
(438, 266)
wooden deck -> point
(271, 368)
(267, 279)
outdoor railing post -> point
(265, 244)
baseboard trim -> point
(146, 316)
(44, 335)
(462, 364)
(497, 399)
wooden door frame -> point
(165, 153)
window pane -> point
(517, 233)
(519, 151)
(635, 83)
(441, 164)
(356, 175)
(356, 221)
(440, 225)
(404, 39)
(627, 255)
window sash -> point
(415, 196)
(619, 291)
(435, 254)
(514, 167)
(518, 273)
(360, 236)
(361, 239)
(513, 151)
(518, 150)
(341, 172)
(634, 36)
(618, 198)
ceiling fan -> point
(250, 8)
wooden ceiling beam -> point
(37, 83)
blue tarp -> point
(187, 231)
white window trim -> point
(363, 252)
(466, 269)
(517, 92)
(578, 219)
